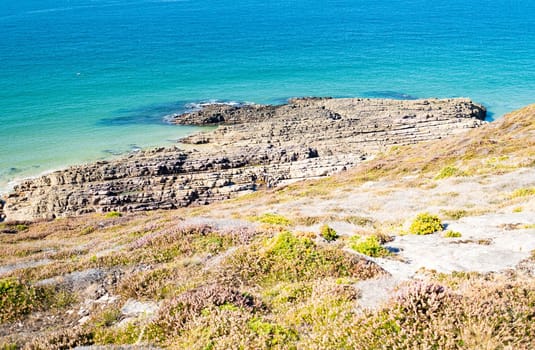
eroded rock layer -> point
(253, 146)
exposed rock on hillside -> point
(254, 146)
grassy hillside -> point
(327, 263)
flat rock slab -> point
(133, 308)
(6, 269)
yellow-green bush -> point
(425, 224)
(286, 293)
(523, 192)
(488, 315)
(449, 171)
(454, 214)
(452, 234)
(16, 299)
(177, 313)
(113, 214)
(274, 334)
(287, 258)
(165, 246)
(272, 219)
(369, 245)
(128, 334)
(328, 233)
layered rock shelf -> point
(254, 146)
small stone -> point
(83, 320)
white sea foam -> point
(54, 9)
(197, 106)
(70, 8)
(11, 183)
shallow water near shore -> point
(86, 80)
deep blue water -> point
(84, 79)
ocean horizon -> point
(87, 80)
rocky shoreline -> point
(254, 146)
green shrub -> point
(177, 313)
(368, 246)
(128, 334)
(68, 338)
(150, 284)
(21, 227)
(359, 220)
(449, 171)
(231, 328)
(328, 233)
(113, 214)
(87, 230)
(165, 246)
(107, 318)
(425, 224)
(523, 192)
(59, 299)
(106, 331)
(272, 219)
(490, 315)
(16, 299)
(273, 334)
(454, 214)
(286, 293)
(452, 234)
(288, 258)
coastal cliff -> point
(254, 146)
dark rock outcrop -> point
(254, 146)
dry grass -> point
(278, 292)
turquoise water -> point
(82, 80)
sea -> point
(86, 80)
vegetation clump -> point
(523, 192)
(16, 299)
(14, 227)
(68, 338)
(179, 242)
(369, 245)
(288, 258)
(21, 227)
(127, 334)
(285, 293)
(425, 224)
(273, 219)
(449, 171)
(275, 334)
(454, 214)
(452, 234)
(176, 312)
(87, 230)
(429, 316)
(113, 214)
(328, 233)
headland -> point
(254, 146)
